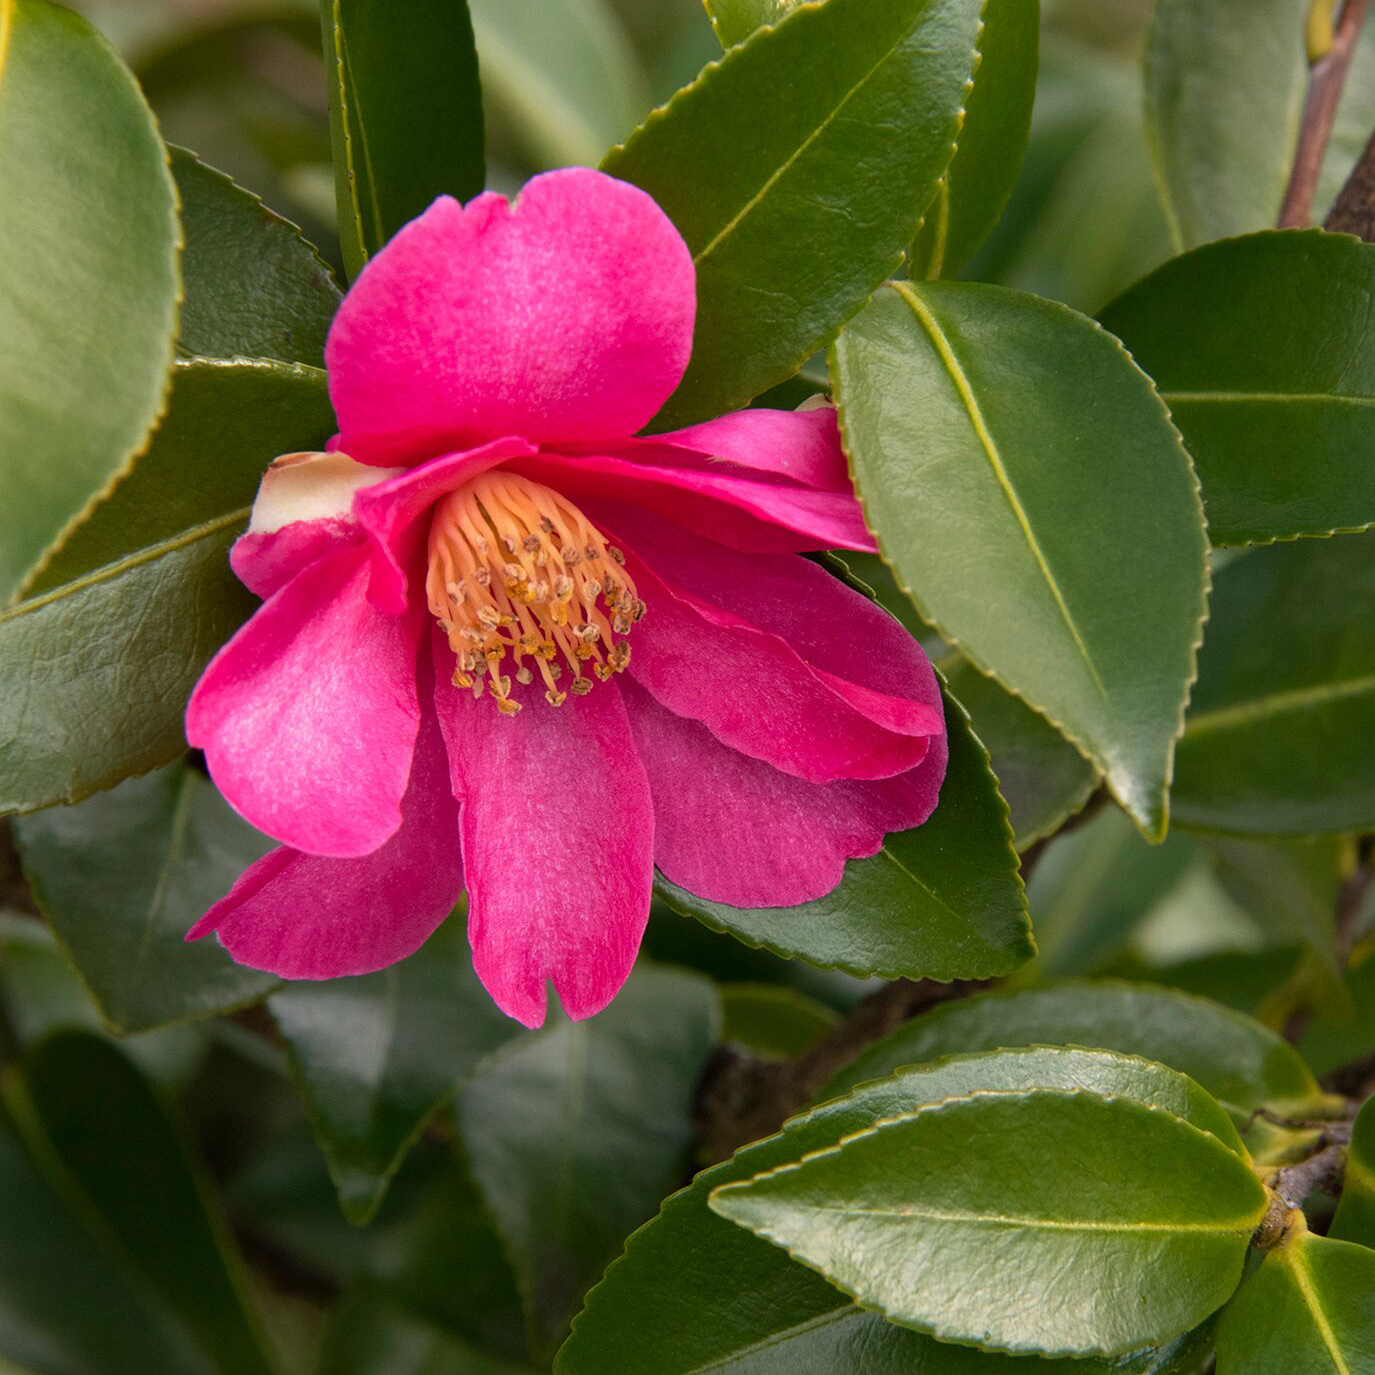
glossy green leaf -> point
(1091, 888)
(576, 1135)
(376, 1055)
(1260, 347)
(563, 73)
(88, 274)
(66, 1303)
(1355, 1217)
(1310, 1307)
(1027, 487)
(1280, 736)
(1240, 1062)
(1043, 778)
(793, 1322)
(254, 287)
(1225, 84)
(405, 114)
(96, 664)
(773, 1021)
(1004, 1219)
(734, 20)
(993, 138)
(943, 901)
(180, 1249)
(124, 875)
(788, 205)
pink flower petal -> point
(308, 716)
(304, 508)
(567, 316)
(827, 687)
(733, 829)
(388, 510)
(308, 917)
(558, 837)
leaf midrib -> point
(1257, 709)
(1173, 398)
(1244, 1226)
(1303, 1282)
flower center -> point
(516, 568)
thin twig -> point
(1326, 81)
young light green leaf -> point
(181, 1249)
(88, 274)
(405, 114)
(1027, 487)
(943, 901)
(992, 141)
(788, 205)
(140, 594)
(734, 20)
(1310, 1307)
(578, 1133)
(124, 875)
(1280, 736)
(1005, 1220)
(794, 1321)
(1355, 1217)
(254, 287)
(1240, 1062)
(563, 73)
(376, 1055)
(1259, 345)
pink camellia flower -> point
(508, 646)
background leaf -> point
(788, 205)
(123, 876)
(140, 595)
(577, 1133)
(405, 110)
(376, 1055)
(943, 901)
(992, 140)
(1280, 736)
(88, 274)
(1260, 347)
(254, 287)
(735, 20)
(1310, 1306)
(1026, 486)
(915, 1218)
(1355, 1217)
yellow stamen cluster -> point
(516, 568)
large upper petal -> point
(309, 917)
(567, 316)
(308, 716)
(734, 829)
(558, 839)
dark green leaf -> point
(563, 73)
(88, 274)
(1043, 777)
(1093, 886)
(1027, 487)
(773, 1021)
(405, 114)
(1310, 1307)
(771, 1316)
(179, 1248)
(1261, 348)
(788, 204)
(992, 140)
(1280, 736)
(377, 1054)
(68, 1306)
(1355, 1219)
(254, 287)
(578, 1133)
(123, 876)
(943, 901)
(1004, 1219)
(1240, 1062)
(1340, 1035)
(97, 663)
